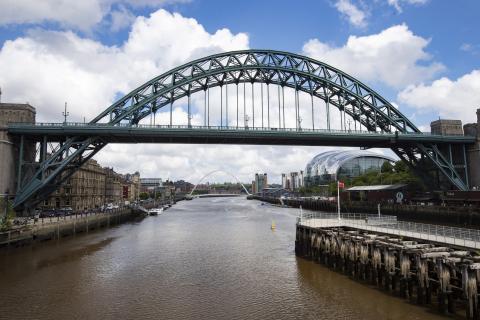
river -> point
(212, 258)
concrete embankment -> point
(446, 278)
(455, 216)
(57, 228)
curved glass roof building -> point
(342, 164)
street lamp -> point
(65, 114)
(6, 205)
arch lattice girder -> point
(261, 66)
(445, 166)
(249, 66)
(56, 169)
(411, 155)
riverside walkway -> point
(463, 237)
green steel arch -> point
(260, 66)
(279, 68)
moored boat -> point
(155, 211)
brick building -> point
(84, 190)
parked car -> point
(20, 221)
(47, 213)
(67, 211)
(59, 213)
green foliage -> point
(387, 167)
(313, 191)
(399, 173)
(143, 196)
(6, 222)
(401, 166)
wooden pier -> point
(417, 266)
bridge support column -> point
(20, 163)
(473, 152)
(9, 152)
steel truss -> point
(336, 88)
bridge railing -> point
(197, 127)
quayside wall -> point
(60, 227)
(445, 278)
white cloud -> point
(121, 18)
(81, 15)
(466, 47)
(61, 66)
(397, 3)
(451, 98)
(470, 48)
(354, 15)
(395, 56)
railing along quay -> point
(468, 238)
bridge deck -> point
(462, 237)
(229, 135)
(218, 195)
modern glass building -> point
(342, 164)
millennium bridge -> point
(258, 97)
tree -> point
(401, 166)
(6, 222)
(387, 167)
(400, 173)
(143, 196)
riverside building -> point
(330, 166)
(92, 186)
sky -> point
(421, 55)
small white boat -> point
(155, 211)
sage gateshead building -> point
(335, 165)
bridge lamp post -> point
(5, 197)
(349, 123)
(65, 114)
(300, 124)
(190, 117)
(246, 121)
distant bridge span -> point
(323, 101)
(215, 171)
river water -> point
(214, 258)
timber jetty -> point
(427, 264)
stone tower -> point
(473, 153)
(9, 145)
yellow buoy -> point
(273, 225)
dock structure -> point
(428, 264)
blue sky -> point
(422, 55)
